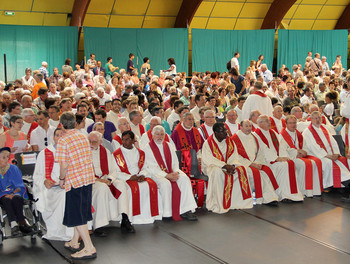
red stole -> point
(49, 162)
(336, 168)
(105, 171)
(256, 173)
(260, 94)
(134, 186)
(33, 126)
(204, 130)
(118, 139)
(176, 193)
(346, 136)
(142, 129)
(323, 120)
(291, 166)
(183, 139)
(242, 174)
(5, 128)
(229, 130)
(307, 160)
(274, 126)
(149, 134)
(264, 139)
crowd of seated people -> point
(260, 139)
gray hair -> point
(209, 112)
(40, 76)
(156, 118)
(97, 124)
(27, 112)
(158, 128)
(133, 114)
(121, 119)
(231, 110)
(95, 133)
(262, 118)
(26, 96)
(315, 113)
(67, 120)
(187, 114)
(253, 113)
(294, 109)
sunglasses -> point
(45, 139)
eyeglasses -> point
(45, 141)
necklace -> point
(4, 170)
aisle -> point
(316, 231)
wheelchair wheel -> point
(33, 239)
(1, 237)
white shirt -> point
(54, 123)
(106, 97)
(235, 63)
(305, 100)
(38, 135)
(172, 119)
(25, 128)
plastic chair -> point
(341, 144)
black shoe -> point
(25, 228)
(273, 203)
(286, 201)
(127, 227)
(100, 232)
(167, 219)
(189, 216)
(345, 199)
(15, 231)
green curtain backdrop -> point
(28, 46)
(157, 44)
(293, 46)
(212, 49)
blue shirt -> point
(11, 181)
(165, 125)
(238, 84)
(109, 129)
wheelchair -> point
(26, 163)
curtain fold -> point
(28, 46)
(293, 46)
(212, 49)
(156, 44)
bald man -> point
(231, 123)
(277, 123)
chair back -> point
(26, 161)
(341, 144)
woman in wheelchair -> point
(12, 194)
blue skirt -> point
(78, 206)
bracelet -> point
(61, 179)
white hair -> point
(156, 118)
(27, 112)
(100, 89)
(158, 128)
(97, 134)
(44, 63)
(97, 124)
(209, 112)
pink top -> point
(10, 141)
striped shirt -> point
(74, 149)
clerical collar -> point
(124, 148)
(182, 124)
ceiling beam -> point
(344, 19)
(80, 8)
(186, 13)
(276, 13)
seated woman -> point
(12, 194)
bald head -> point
(278, 112)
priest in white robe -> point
(109, 195)
(147, 137)
(251, 156)
(144, 198)
(253, 118)
(257, 101)
(277, 122)
(293, 146)
(322, 145)
(231, 122)
(282, 167)
(228, 186)
(175, 186)
(123, 125)
(206, 129)
(50, 197)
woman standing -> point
(67, 68)
(145, 66)
(110, 68)
(258, 64)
